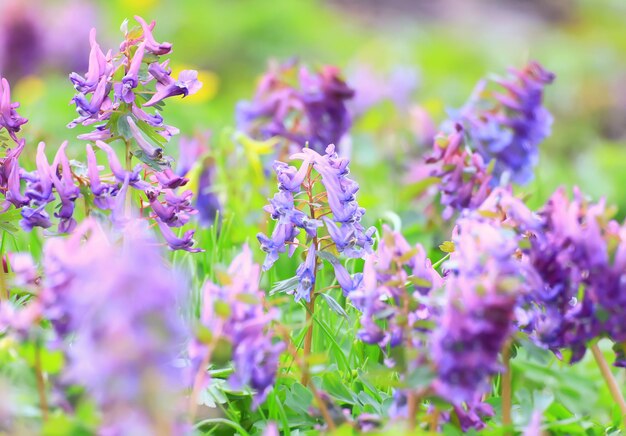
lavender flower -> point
(186, 242)
(9, 177)
(114, 307)
(9, 118)
(463, 178)
(578, 247)
(167, 87)
(395, 280)
(66, 190)
(195, 160)
(234, 312)
(121, 73)
(342, 220)
(482, 291)
(21, 39)
(314, 113)
(508, 127)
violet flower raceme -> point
(114, 307)
(10, 179)
(337, 202)
(9, 118)
(578, 248)
(508, 127)
(485, 283)
(234, 312)
(66, 190)
(396, 278)
(462, 176)
(196, 162)
(313, 113)
(138, 74)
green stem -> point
(308, 339)
(609, 379)
(4, 292)
(41, 384)
(506, 382)
(129, 168)
(440, 261)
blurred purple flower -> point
(234, 311)
(508, 127)
(313, 113)
(121, 337)
(463, 178)
(389, 297)
(485, 283)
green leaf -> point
(334, 305)
(123, 129)
(332, 384)
(418, 188)
(157, 165)
(285, 285)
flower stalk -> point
(609, 379)
(41, 384)
(506, 382)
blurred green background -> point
(442, 47)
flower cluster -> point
(234, 312)
(122, 117)
(10, 120)
(463, 177)
(113, 303)
(337, 203)
(312, 113)
(579, 247)
(196, 162)
(483, 287)
(396, 278)
(123, 84)
(507, 127)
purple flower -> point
(9, 118)
(313, 113)
(99, 66)
(187, 83)
(394, 279)
(463, 176)
(103, 193)
(10, 177)
(169, 180)
(176, 209)
(152, 45)
(119, 172)
(306, 275)
(577, 248)
(234, 312)
(186, 242)
(508, 127)
(124, 89)
(485, 283)
(351, 238)
(66, 190)
(151, 151)
(347, 234)
(208, 204)
(122, 337)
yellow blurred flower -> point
(29, 89)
